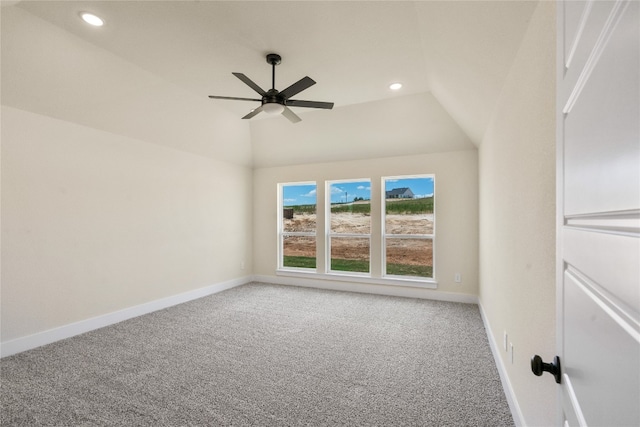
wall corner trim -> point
(516, 412)
(29, 342)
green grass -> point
(362, 208)
(410, 270)
(356, 266)
(410, 206)
(336, 264)
(360, 266)
(393, 206)
(302, 209)
(299, 261)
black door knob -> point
(538, 367)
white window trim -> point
(329, 234)
(282, 233)
(385, 235)
(344, 276)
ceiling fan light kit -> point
(273, 108)
(274, 101)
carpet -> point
(266, 355)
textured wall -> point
(517, 217)
(456, 175)
(94, 222)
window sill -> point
(357, 278)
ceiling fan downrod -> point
(273, 59)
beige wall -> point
(456, 175)
(94, 222)
(517, 218)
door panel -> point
(598, 260)
(601, 355)
(601, 127)
(611, 260)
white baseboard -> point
(397, 291)
(29, 342)
(516, 412)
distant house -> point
(400, 193)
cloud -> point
(336, 190)
(311, 193)
(422, 196)
(289, 200)
(362, 187)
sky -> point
(421, 187)
(299, 194)
(346, 191)
(305, 194)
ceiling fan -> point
(274, 101)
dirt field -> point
(400, 251)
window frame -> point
(282, 233)
(377, 247)
(329, 234)
(385, 235)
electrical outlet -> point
(505, 341)
(511, 348)
(457, 278)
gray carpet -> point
(266, 355)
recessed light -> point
(92, 19)
(395, 86)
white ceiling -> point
(148, 71)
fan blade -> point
(293, 118)
(233, 98)
(310, 104)
(253, 113)
(250, 83)
(297, 87)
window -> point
(403, 222)
(408, 226)
(349, 226)
(297, 225)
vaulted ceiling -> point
(147, 72)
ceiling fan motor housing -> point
(272, 96)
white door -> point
(599, 212)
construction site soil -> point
(399, 251)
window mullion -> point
(357, 235)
